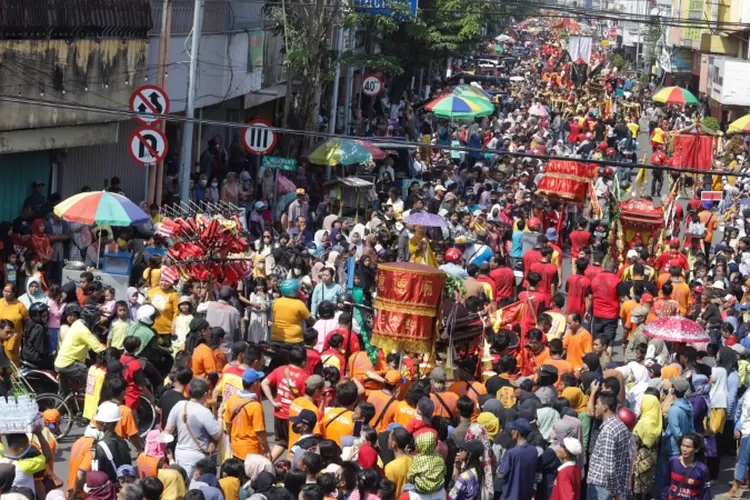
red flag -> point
(509, 314)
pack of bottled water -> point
(17, 413)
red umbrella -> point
(676, 329)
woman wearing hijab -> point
(174, 484)
(99, 487)
(546, 418)
(154, 456)
(34, 293)
(564, 428)
(727, 359)
(579, 402)
(479, 433)
(591, 363)
(719, 401)
(639, 379)
(647, 433)
(490, 423)
(700, 400)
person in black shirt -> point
(182, 377)
(599, 130)
(111, 451)
(433, 206)
(506, 369)
(22, 224)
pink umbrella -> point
(676, 329)
(538, 110)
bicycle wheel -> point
(50, 401)
(146, 416)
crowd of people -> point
(570, 398)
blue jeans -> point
(743, 457)
(594, 492)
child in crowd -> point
(220, 357)
(118, 330)
(12, 269)
(257, 328)
(56, 311)
(108, 308)
(181, 322)
(72, 313)
(135, 299)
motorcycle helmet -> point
(36, 312)
(610, 152)
(453, 255)
(326, 309)
(90, 316)
(603, 145)
(344, 300)
(289, 288)
(627, 416)
(147, 314)
(534, 224)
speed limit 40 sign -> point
(372, 85)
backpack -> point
(507, 396)
(697, 229)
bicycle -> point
(46, 386)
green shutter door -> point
(17, 172)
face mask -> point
(203, 182)
(214, 184)
(311, 251)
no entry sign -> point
(147, 146)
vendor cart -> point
(349, 196)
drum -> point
(408, 305)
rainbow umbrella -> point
(344, 152)
(101, 207)
(740, 125)
(454, 106)
(675, 95)
(467, 90)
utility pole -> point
(187, 141)
(156, 173)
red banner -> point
(693, 151)
(566, 180)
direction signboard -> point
(711, 195)
(258, 138)
(279, 163)
(147, 146)
(372, 85)
(151, 102)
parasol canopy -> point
(516, 78)
(675, 95)
(454, 106)
(502, 38)
(425, 219)
(344, 152)
(676, 329)
(472, 91)
(740, 125)
(538, 110)
(101, 207)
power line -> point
(374, 140)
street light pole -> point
(187, 139)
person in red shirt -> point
(548, 272)
(595, 268)
(575, 131)
(578, 288)
(333, 355)
(505, 280)
(533, 256)
(132, 371)
(310, 338)
(567, 484)
(289, 382)
(673, 256)
(533, 300)
(344, 329)
(605, 302)
(579, 239)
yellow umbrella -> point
(740, 125)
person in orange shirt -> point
(444, 400)
(311, 400)
(664, 277)
(338, 422)
(680, 289)
(81, 454)
(577, 341)
(465, 385)
(243, 417)
(384, 400)
(711, 222)
(626, 308)
(536, 352)
(126, 428)
(555, 359)
(361, 368)
(220, 357)
(154, 457)
(203, 361)
(406, 410)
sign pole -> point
(275, 192)
(186, 158)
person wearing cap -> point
(518, 466)
(444, 400)
(384, 400)
(311, 401)
(467, 471)
(553, 242)
(567, 485)
(297, 208)
(304, 425)
(678, 423)
(108, 417)
(126, 426)
(244, 421)
(155, 455)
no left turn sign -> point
(150, 102)
(147, 146)
(258, 138)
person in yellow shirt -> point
(634, 127)
(314, 386)
(243, 417)
(72, 352)
(289, 312)
(13, 310)
(94, 383)
(397, 469)
(165, 299)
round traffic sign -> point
(147, 146)
(372, 85)
(612, 33)
(150, 102)
(258, 138)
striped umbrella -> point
(344, 152)
(740, 125)
(675, 95)
(101, 207)
(453, 106)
